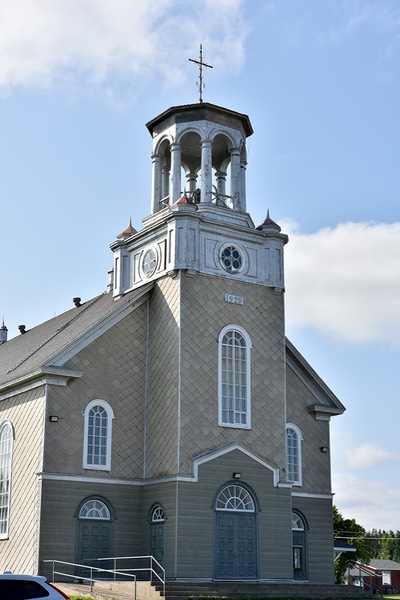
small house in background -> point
(379, 576)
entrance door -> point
(299, 548)
(94, 542)
(236, 534)
(94, 537)
(157, 521)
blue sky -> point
(320, 82)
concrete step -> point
(112, 590)
(177, 590)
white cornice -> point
(42, 376)
(313, 496)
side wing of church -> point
(170, 416)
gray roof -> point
(52, 342)
(385, 565)
(325, 404)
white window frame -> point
(94, 509)
(6, 454)
(243, 332)
(110, 417)
(299, 438)
(158, 514)
(235, 498)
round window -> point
(149, 263)
(231, 259)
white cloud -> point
(374, 505)
(368, 456)
(43, 41)
(350, 454)
(345, 282)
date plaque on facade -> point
(234, 299)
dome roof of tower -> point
(200, 111)
(268, 224)
(127, 232)
(184, 203)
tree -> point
(354, 534)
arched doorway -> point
(94, 533)
(157, 522)
(235, 534)
(299, 547)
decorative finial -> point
(268, 224)
(200, 83)
(127, 232)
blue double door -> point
(236, 546)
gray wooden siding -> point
(165, 494)
(204, 314)
(318, 513)
(162, 406)
(19, 553)
(59, 524)
(114, 370)
(197, 516)
(316, 464)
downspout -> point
(40, 485)
(146, 389)
(178, 457)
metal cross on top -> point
(200, 83)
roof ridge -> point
(86, 306)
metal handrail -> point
(150, 569)
(91, 579)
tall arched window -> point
(6, 444)
(293, 454)
(97, 442)
(234, 346)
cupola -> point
(199, 151)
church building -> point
(170, 416)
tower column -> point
(235, 179)
(156, 182)
(221, 185)
(175, 175)
(206, 171)
(191, 179)
(164, 181)
(243, 167)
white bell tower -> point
(198, 221)
(199, 150)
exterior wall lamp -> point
(54, 418)
(324, 449)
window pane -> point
(292, 455)
(6, 438)
(234, 378)
(98, 436)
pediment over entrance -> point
(227, 448)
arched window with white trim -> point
(6, 446)
(234, 365)
(157, 514)
(293, 454)
(98, 416)
(236, 498)
(95, 509)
